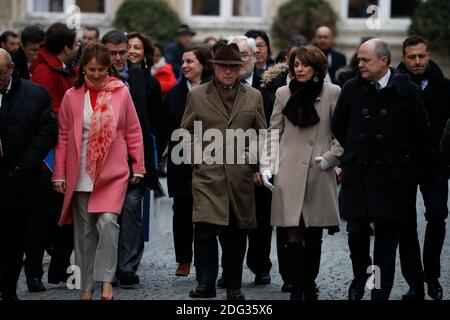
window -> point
(225, 9)
(48, 5)
(92, 6)
(403, 9)
(247, 8)
(394, 15)
(358, 8)
(205, 7)
(58, 6)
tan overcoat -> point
(217, 186)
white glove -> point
(324, 165)
(266, 175)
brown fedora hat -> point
(227, 54)
(185, 29)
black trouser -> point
(434, 189)
(260, 239)
(282, 254)
(409, 247)
(131, 238)
(37, 237)
(13, 228)
(206, 251)
(387, 235)
(61, 241)
(303, 258)
(183, 228)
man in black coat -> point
(146, 94)
(28, 130)
(324, 40)
(433, 178)
(381, 122)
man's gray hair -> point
(250, 41)
(382, 49)
(6, 55)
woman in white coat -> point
(305, 190)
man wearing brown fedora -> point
(223, 192)
(174, 51)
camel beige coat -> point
(302, 188)
(217, 186)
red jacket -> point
(166, 78)
(47, 71)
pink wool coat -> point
(110, 188)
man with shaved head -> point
(28, 130)
(381, 122)
(324, 39)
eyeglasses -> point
(4, 73)
(245, 56)
(121, 53)
(261, 46)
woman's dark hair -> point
(203, 55)
(311, 56)
(149, 48)
(101, 53)
(263, 35)
(59, 36)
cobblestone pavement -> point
(158, 280)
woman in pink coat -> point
(98, 131)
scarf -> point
(300, 109)
(102, 130)
(420, 77)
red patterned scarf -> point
(102, 129)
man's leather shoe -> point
(203, 291)
(287, 287)
(263, 278)
(35, 285)
(435, 289)
(129, 280)
(297, 295)
(235, 294)
(311, 293)
(413, 295)
(9, 298)
(356, 291)
(220, 283)
(183, 270)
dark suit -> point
(146, 94)
(179, 176)
(28, 130)
(383, 134)
(433, 184)
(338, 60)
(260, 239)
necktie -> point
(377, 86)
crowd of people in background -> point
(85, 125)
